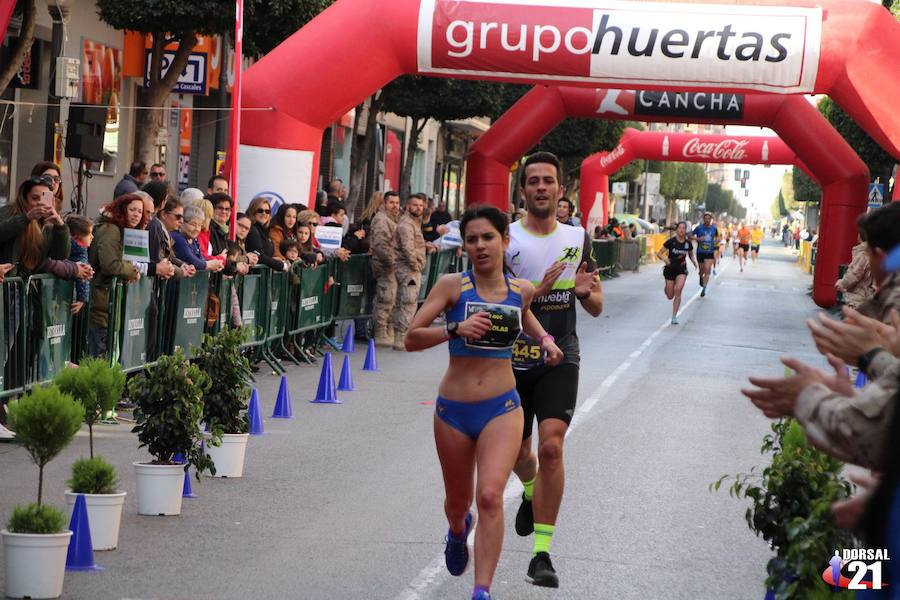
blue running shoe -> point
(456, 554)
(481, 595)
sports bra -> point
(506, 320)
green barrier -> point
(426, 275)
(12, 337)
(277, 319)
(134, 316)
(49, 338)
(643, 241)
(605, 255)
(444, 262)
(221, 285)
(313, 301)
(252, 297)
(353, 288)
(189, 315)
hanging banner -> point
(768, 48)
(186, 121)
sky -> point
(764, 182)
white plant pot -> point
(229, 457)
(35, 563)
(104, 515)
(159, 488)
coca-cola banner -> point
(769, 48)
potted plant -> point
(98, 386)
(225, 400)
(168, 401)
(790, 509)
(35, 540)
(96, 480)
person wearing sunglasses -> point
(157, 172)
(53, 174)
(168, 218)
(260, 212)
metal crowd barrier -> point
(149, 317)
(605, 254)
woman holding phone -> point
(53, 173)
(478, 418)
(31, 230)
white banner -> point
(279, 175)
(329, 237)
(136, 245)
(618, 42)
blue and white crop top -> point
(506, 320)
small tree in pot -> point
(35, 544)
(97, 385)
(168, 412)
(225, 400)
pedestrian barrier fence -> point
(805, 259)
(148, 317)
(605, 253)
(628, 257)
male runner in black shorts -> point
(558, 260)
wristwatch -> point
(451, 328)
(864, 361)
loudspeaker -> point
(84, 132)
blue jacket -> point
(78, 253)
(188, 252)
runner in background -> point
(756, 238)
(744, 238)
(675, 253)
(734, 241)
(706, 236)
(724, 239)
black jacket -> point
(258, 241)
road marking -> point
(436, 572)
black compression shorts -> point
(701, 256)
(745, 247)
(755, 248)
(547, 393)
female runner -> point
(478, 418)
(675, 253)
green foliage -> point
(167, 16)
(682, 181)
(225, 401)
(169, 399)
(93, 476)
(45, 421)
(805, 189)
(790, 509)
(573, 140)
(97, 385)
(36, 518)
(267, 23)
(880, 163)
(438, 98)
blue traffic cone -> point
(80, 556)
(345, 384)
(861, 380)
(283, 408)
(349, 345)
(256, 421)
(326, 392)
(186, 491)
(371, 363)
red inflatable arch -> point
(834, 47)
(825, 154)
(675, 147)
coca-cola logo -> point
(727, 149)
(617, 152)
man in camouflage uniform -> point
(383, 232)
(410, 250)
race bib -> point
(505, 325)
(527, 353)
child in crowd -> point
(81, 232)
(290, 249)
(308, 253)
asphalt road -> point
(345, 501)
